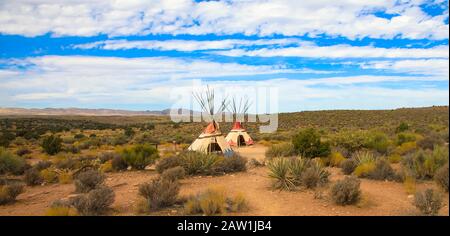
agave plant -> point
(279, 170)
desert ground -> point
(378, 197)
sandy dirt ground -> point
(379, 197)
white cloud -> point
(347, 18)
(118, 82)
(186, 45)
(341, 51)
(437, 67)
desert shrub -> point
(5, 138)
(377, 141)
(96, 202)
(129, 131)
(32, 177)
(409, 183)
(119, 140)
(72, 149)
(61, 211)
(336, 158)
(402, 127)
(348, 166)
(107, 156)
(382, 171)
(9, 193)
(441, 177)
(65, 177)
(210, 202)
(346, 191)
(280, 150)
(173, 173)
(88, 180)
(140, 155)
(79, 136)
(405, 137)
(49, 175)
(106, 167)
(365, 163)
(196, 163)
(315, 175)
(279, 171)
(429, 141)
(118, 163)
(424, 164)
(238, 204)
(234, 163)
(349, 141)
(68, 163)
(23, 151)
(308, 144)
(405, 148)
(167, 163)
(159, 193)
(428, 202)
(10, 163)
(394, 158)
(52, 144)
(42, 165)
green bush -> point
(174, 173)
(346, 191)
(429, 141)
(428, 202)
(308, 144)
(349, 141)
(96, 202)
(441, 177)
(88, 180)
(159, 193)
(167, 163)
(52, 144)
(10, 163)
(377, 141)
(140, 155)
(280, 150)
(9, 193)
(402, 127)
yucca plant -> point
(279, 170)
(363, 157)
(296, 167)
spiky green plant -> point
(279, 170)
(296, 167)
(363, 157)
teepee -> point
(238, 136)
(211, 140)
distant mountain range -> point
(80, 112)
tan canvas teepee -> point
(211, 139)
(238, 136)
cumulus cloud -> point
(347, 18)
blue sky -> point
(132, 54)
